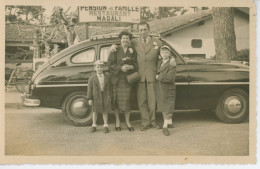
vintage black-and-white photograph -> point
(127, 80)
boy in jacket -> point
(166, 87)
(99, 95)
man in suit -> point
(147, 48)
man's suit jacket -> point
(147, 58)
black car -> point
(61, 83)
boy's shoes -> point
(93, 129)
(155, 126)
(144, 128)
(106, 130)
(118, 128)
(170, 126)
(166, 132)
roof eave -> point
(172, 30)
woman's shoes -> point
(118, 128)
(130, 128)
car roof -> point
(81, 45)
(94, 40)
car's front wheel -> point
(233, 106)
(77, 110)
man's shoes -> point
(144, 128)
(166, 132)
(93, 129)
(106, 130)
(155, 126)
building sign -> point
(127, 14)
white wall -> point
(181, 40)
(242, 32)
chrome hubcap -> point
(79, 107)
(233, 104)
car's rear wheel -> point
(233, 106)
(77, 110)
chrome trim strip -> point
(177, 83)
(219, 83)
(181, 83)
(61, 85)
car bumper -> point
(30, 102)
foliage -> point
(26, 13)
(169, 11)
(64, 18)
(242, 55)
(146, 14)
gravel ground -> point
(46, 132)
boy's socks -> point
(165, 125)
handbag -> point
(134, 77)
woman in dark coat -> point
(122, 63)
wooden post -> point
(36, 50)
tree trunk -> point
(224, 33)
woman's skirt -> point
(123, 95)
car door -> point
(68, 74)
(181, 82)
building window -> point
(196, 43)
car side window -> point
(86, 56)
(179, 61)
(104, 53)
